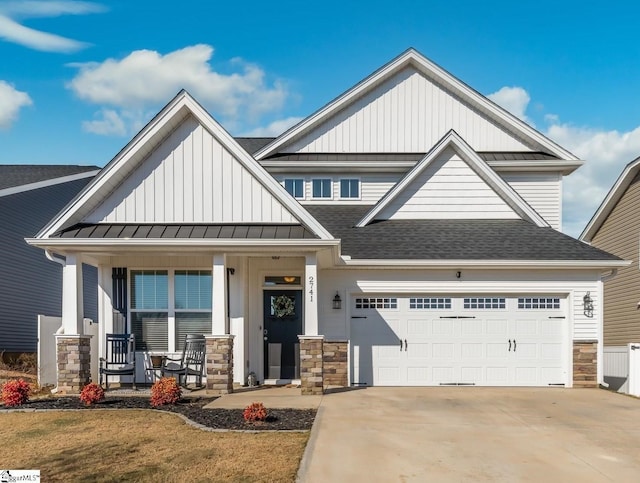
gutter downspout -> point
(60, 331)
(603, 279)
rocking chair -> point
(191, 363)
(120, 358)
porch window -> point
(295, 187)
(321, 188)
(150, 309)
(349, 188)
(193, 290)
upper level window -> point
(295, 187)
(349, 188)
(321, 188)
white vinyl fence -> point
(622, 368)
(47, 358)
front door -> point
(282, 326)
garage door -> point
(483, 340)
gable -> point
(406, 113)
(447, 189)
(191, 178)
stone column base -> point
(585, 363)
(311, 367)
(334, 363)
(74, 362)
(219, 364)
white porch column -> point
(219, 324)
(105, 304)
(72, 306)
(310, 295)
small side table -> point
(155, 369)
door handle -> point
(509, 345)
(514, 345)
(400, 345)
(405, 345)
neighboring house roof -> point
(439, 76)
(146, 141)
(450, 239)
(608, 204)
(15, 178)
(467, 154)
(220, 231)
(253, 145)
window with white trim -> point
(431, 303)
(350, 188)
(321, 188)
(484, 303)
(376, 303)
(295, 187)
(153, 317)
(538, 303)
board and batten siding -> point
(30, 284)
(448, 188)
(406, 113)
(542, 191)
(191, 178)
(619, 235)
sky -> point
(78, 79)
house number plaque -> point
(311, 282)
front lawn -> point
(133, 445)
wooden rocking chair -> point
(120, 358)
(191, 363)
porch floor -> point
(275, 397)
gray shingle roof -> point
(414, 157)
(12, 175)
(219, 231)
(449, 239)
(253, 145)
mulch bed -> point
(277, 419)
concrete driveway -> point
(474, 434)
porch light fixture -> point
(337, 302)
(587, 303)
(289, 279)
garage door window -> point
(538, 303)
(431, 303)
(376, 303)
(485, 303)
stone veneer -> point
(74, 362)
(219, 364)
(585, 363)
(334, 363)
(311, 365)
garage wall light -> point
(587, 304)
(337, 302)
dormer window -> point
(321, 188)
(350, 188)
(295, 187)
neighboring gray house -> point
(30, 284)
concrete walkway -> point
(271, 396)
(474, 434)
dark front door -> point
(282, 326)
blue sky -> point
(78, 79)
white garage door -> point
(428, 340)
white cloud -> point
(145, 78)
(513, 99)
(275, 128)
(11, 101)
(605, 153)
(13, 31)
(110, 124)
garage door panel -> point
(443, 350)
(525, 328)
(472, 350)
(418, 350)
(498, 376)
(497, 350)
(526, 350)
(418, 327)
(443, 327)
(526, 375)
(497, 327)
(471, 328)
(471, 374)
(550, 352)
(443, 375)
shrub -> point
(16, 392)
(91, 394)
(165, 391)
(255, 412)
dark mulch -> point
(277, 419)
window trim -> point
(330, 197)
(501, 301)
(304, 186)
(538, 298)
(354, 198)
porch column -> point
(219, 364)
(219, 315)
(310, 295)
(72, 307)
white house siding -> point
(406, 113)
(543, 192)
(448, 188)
(191, 178)
(372, 186)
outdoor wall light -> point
(289, 279)
(337, 302)
(587, 303)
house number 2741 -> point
(311, 282)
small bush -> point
(255, 412)
(92, 393)
(16, 392)
(165, 391)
